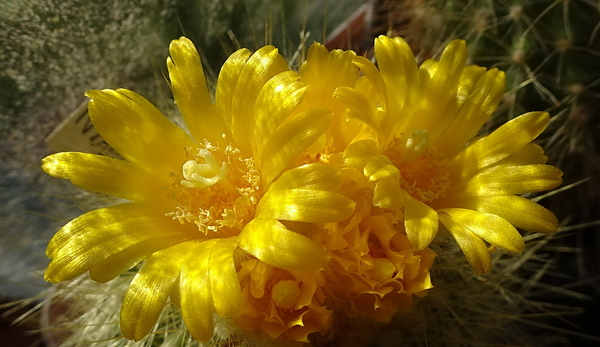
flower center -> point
(217, 190)
(423, 171)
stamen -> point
(218, 198)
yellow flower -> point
(426, 164)
(201, 200)
(284, 306)
(373, 270)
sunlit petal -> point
(138, 131)
(490, 227)
(148, 292)
(305, 205)
(271, 242)
(471, 245)
(287, 142)
(191, 94)
(197, 305)
(106, 175)
(421, 223)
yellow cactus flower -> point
(284, 306)
(425, 163)
(373, 270)
(203, 199)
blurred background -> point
(52, 51)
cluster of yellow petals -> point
(295, 194)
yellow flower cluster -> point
(294, 194)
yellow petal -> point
(197, 305)
(117, 264)
(437, 91)
(364, 156)
(531, 153)
(260, 67)
(191, 94)
(271, 242)
(475, 111)
(400, 75)
(316, 176)
(277, 99)
(490, 227)
(138, 131)
(421, 223)
(226, 83)
(360, 107)
(507, 139)
(373, 75)
(520, 212)
(106, 175)
(224, 283)
(305, 205)
(398, 68)
(291, 139)
(468, 80)
(149, 290)
(389, 195)
(471, 245)
(508, 180)
(324, 70)
(100, 234)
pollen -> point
(217, 190)
(423, 171)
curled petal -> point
(373, 75)
(292, 138)
(360, 107)
(305, 205)
(271, 242)
(421, 223)
(315, 176)
(471, 245)
(364, 155)
(389, 195)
